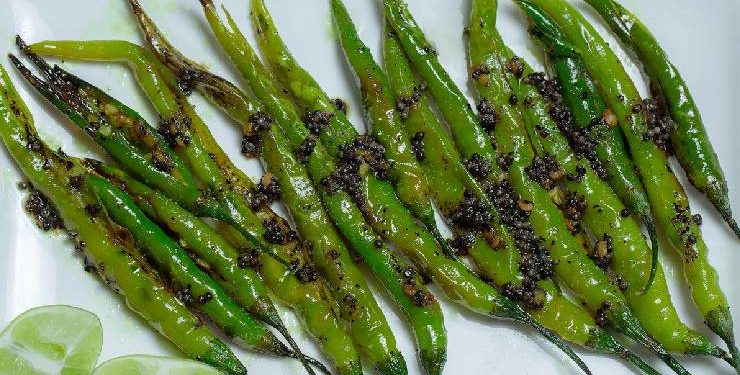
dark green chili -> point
(112, 258)
(690, 139)
(667, 197)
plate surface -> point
(702, 38)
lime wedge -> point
(51, 340)
(151, 365)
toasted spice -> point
(545, 171)
(185, 295)
(602, 315)
(487, 115)
(660, 125)
(340, 105)
(404, 104)
(602, 252)
(306, 274)
(266, 191)
(462, 244)
(471, 214)
(573, 206)
(317, 120)
(417, 144)
(249, 258)
(364, 150)
(175, 129)
(535, 262)
(478, 166)
(252, 137)
(43, 212)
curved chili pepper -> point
(690, 139)
(113, 259)
(442, 163)
(668, 199)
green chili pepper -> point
(386, 213)
(579, 272)
(236, 272)
(286, 258)
(280, 159)
(690, 139)
(385, 122)
(667, 197)
(113, 259)
(608, 155)
(501, 264)
(398, 278)
(632, 267)
(194, 287)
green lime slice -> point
(51, 340)
(151, 365)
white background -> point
(702, 38)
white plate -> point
(702, 38)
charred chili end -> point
(545, 171)
(44, 214)
(417, 144)
(487, 115)
(317, 120)
(471, 214)
(478, 166)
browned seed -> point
(601, 249)
(525, 206)
(557, 174)
(266, 179)
(610, 119)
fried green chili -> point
(387, 214)
(632, 266)
(288, 272)
(500, 263)
(572, 265)
(111, 257)
(667, 197)
(689, 139)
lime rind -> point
(56, 339)
(153, 365)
